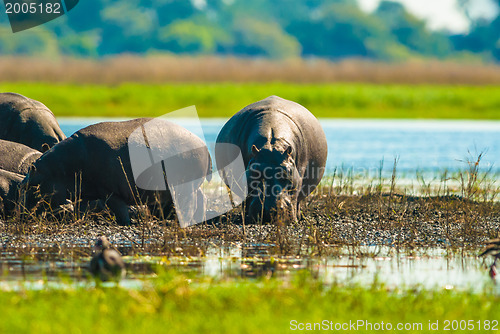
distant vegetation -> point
(224, 99)
(332, 29)
(170, 69)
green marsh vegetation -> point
(224, 99)
(179, 303)
(128, 86)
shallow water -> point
(428, 146)
(434, 269)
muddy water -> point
(430, 269)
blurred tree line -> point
(332, 29)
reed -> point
(165, 68)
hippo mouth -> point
(282, 210)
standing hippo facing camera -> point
(17, 158)
(28, 122)
(95, 164)
(284, 151)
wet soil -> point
(328, 222)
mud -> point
(328, 222)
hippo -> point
(94, 164)
(9, 184)
(17, 158)
(28, 122)
(284, 151)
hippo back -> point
(95, 164)
(101, 152)
(28, 122)
(17, 158)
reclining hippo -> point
(17, 158)
(9, 183)
(28, 122)
(284, 151)
(95, 164)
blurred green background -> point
(332, 29)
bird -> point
(492, 248)
(107, 264)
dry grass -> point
(159, 69)
(457, 212)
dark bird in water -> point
(106, 264)
(492, 248)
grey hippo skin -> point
(98, 155)
(28, 122)
(9, 183)
(17, 158)
(284, 150)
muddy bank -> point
(328, 222)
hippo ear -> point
(255, 150)
(31, 169)
(45, 147)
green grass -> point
(224, 99)
(174, 304)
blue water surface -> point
(427, 146)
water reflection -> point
(435, 269)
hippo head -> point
(45, 184)
(273, 181)
(44, 136)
